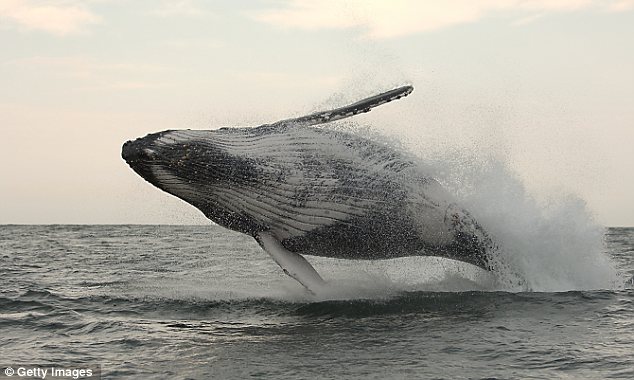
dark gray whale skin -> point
(317, 191)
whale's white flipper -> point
(361, 106)
(293, 264)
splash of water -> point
(543, 246)
(548, 246)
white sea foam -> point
(544, 246)
(555, 246)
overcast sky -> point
(548, 84)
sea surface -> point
(201, 302)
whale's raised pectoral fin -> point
(361, 106)
(293, 264)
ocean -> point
(201, 302)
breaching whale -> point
(305, 190)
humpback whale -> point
(301, 189)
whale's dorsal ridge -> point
(362, 106)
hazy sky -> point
(546, 84)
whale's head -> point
(194, 166)
(170, 158)
(179, 156)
